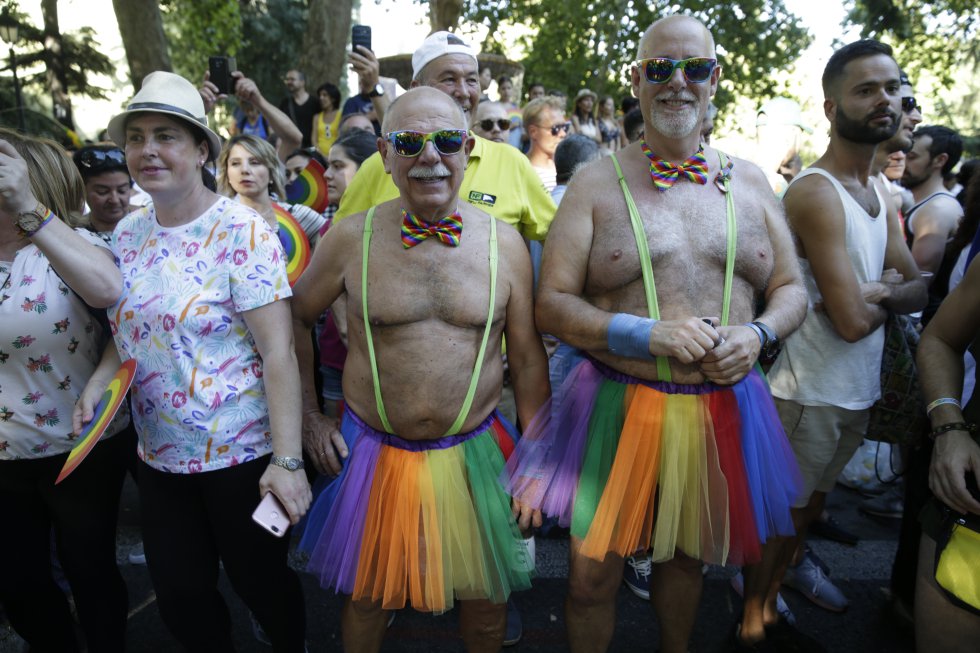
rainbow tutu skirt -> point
(418, 522)
(631, 464)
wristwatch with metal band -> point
(291, 464)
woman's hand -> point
(291, 488)
(15, 184)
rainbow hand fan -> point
(105, 410)
(309, 188)
(294, 241)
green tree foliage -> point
(198, 29)
(591, 43)
(927, 36)
(272, 31)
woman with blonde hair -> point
(53, 277)
(250, 172)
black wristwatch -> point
(287, 463)
(378, 90)
(770, 342)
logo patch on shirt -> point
(476, 197)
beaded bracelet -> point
(952, 426)
(942, 401)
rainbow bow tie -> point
(664, 173)
(447, 230)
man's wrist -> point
(629, 335)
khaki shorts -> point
(823, 438)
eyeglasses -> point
(98, 159)
(503, 124)
(560, 127)
(411, 143)
(909, 105)
(659, 70)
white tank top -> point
(816, 366)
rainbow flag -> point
(309, 188)
(294, 241)
(105, 410)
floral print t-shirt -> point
(49, 345)
(198, 395)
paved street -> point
(868, 626)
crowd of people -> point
(513, 318)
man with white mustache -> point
(498, 179)
(651, 426)
(431, 284)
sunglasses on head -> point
(96, 159)
(909, 105)
(503, 124)
(659, 70)
(560, 127)
(411, 143)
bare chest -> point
(686, 231)
(428, 282)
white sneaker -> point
(738, 584)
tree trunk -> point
(444, 14)
(324, 53)
(141, 28)
(55, 65)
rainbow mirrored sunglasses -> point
(659, 70)
(411, 143)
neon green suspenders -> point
(646, 265)
(477, 366)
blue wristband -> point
(629, 335)
(758, 332)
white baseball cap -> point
(439, 44)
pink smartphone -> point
(271, 515)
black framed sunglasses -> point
(659, 70)
(560, 127)
(98, 159)
(411, 143)
(503, 124)
(909, 105)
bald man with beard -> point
(665, 437)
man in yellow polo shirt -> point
(499, 179)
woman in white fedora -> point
(216, 391)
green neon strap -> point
(646, 265)
(464, 411)
(726, 300)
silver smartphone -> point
(271, 515)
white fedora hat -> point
(170, 94)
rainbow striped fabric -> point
(294, 242)
(448, 230)
(309, 188)
(664, 173)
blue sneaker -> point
(515, 627)
(809, 579)
(636, 575)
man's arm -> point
(289, 134)
(320, 284)
(365, 64)
(526, 358)
(561, 309)
(910, 293)
(816, 214)
(940, 360)
(935, 223)
(539, 208)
